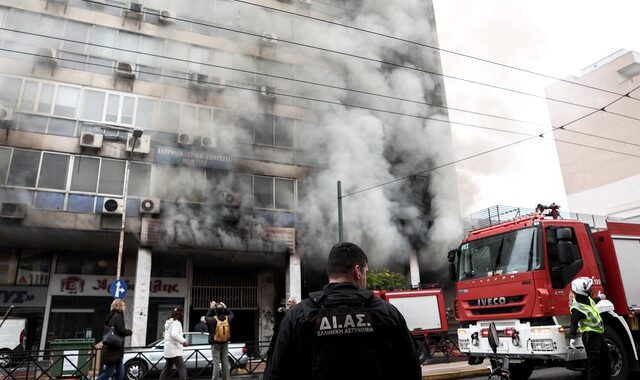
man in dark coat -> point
(201, 326)
(344, 332)
(112, 355)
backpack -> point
(223, 331)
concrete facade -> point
(600, 181)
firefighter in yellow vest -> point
(586, 320)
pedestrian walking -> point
(344, 332)
(113, 349)
(173, 346)
(218, 319)
(586, 320)
(201, 326)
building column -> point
(294, 276)
(414, 268)
(266, 302)
(141, 297)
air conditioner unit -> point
(91, 140)
(165, 17)
(231, 199)
(150, 206)
(6, 115)
(47, 56)
(217, 83)
(11, 210)
(126, 70)
(143, 144)
(268, 92)
(112, 206)
(305, 2)
(203, 141)
(269, 38)
(185, 139)
(198, 80)
(133, 10)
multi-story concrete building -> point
(214, 134)
(600, 181)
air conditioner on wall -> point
(231, 199)
(91, 140)
(10, 210)
(46, 57)
(269, 38)
(268, 92)
(133, 10)
(150, 206)
(6, 115)
(185, 139)
(198, 80)
(204, 141)
(143, 144)
(125, 69)
(165, 16)
(112, 206)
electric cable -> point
(351, 55)
(276, 77)
(484, 60)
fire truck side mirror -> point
(565, 245)
(451, 256)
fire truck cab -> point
(518, 275)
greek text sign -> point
(192, 158)
(23, 296)
(85, 285)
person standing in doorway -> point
(173, 346)
(343, 332)
(218, 319)
(112, 355)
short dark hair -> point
(176, 313)
(343, 257)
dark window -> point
(139, 179)
(8, 266)
(264, 130)
(284, 194)
(111, 177)
(49, 201)
(83, 263)
(34, 268)
(80, 203)
(5, 157)
(285, 219)
(53, 171)
(168, 266)
(263, 192)
(62, 127)
(284, 132)
(85, 174)
(24, 168)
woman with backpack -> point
(173, 346)
(218, 319)
(113, 349)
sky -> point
(557, 38)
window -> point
(169, 116)
(80, 203)
(93, 105)
(10, 91)
(104, 37)
(85, 174)
(169, 266)
(49, 201)
(264, 130)
(5, 158)
(81, 263)
(46, 98)
(77, 32)
(139, 179)
(34, 268)
(145, 112)
(53, 171)
(8, 266)
(24, 168)
(113, 102)
(111, 177)
(284, 132)
(61, 127)
(66, 101)
(284, 194)
(29, 96)
(263, 192)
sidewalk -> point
(453, 370)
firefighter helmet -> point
(582, 285)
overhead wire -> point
(160, 56)
(411, 68)
(379, 34)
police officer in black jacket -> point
(343, 331)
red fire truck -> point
(518, 274)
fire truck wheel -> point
(521, 371)
(618, 355)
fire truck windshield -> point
(511, 252)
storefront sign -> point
(23, 296)
(192, 158)
(84, 285)
(282, 234)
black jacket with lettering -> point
(340, 333)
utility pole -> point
(340, 226)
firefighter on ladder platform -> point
(586, 320)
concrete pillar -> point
(414, 268)
(141, 297)
(294, 276)
(266, 303)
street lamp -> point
(137, 133)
